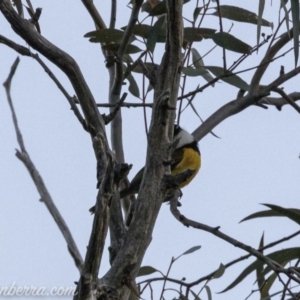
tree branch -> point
(279, 102)
(215, 231)
(116, 109)
(288, 99)
(62, 60)
(210, 275)
(151, 195)
(283, 40)
(89, 5)
(227, 110)
(37, 179)
(125, 104)
(26, 52)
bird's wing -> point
(176, 158)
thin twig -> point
(221, 30)
(215, 230)
(72, 100)
(113, 13)
(287, 98)
(165, 277)
(111, 116)
(126, 104)
(37, 179)
(26, 52)
(210, 275)
(288, 282)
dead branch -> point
(37, 178)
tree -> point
(128, 247)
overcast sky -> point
(256, 160)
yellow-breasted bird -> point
(185, 156)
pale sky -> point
(256, 160)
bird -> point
(186, 156)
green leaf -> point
(259, 270)
(196, 13)
(262, 214)
(295, 17)
(133, 87)
(279, 256)
(192, 34)
(158, 9)
(189, 71)
(291, 213)
(219, 273)
(229, 42)
(286, 13)
(269, 213)
(208, 291)
(143, 31)
(148, 65)
(182, 297)
(146, 7)
(283, 257)
(261, 7)
(239, 14)
(130, 49)
(268, 284)
(153, 33)
(199, 64)
(191, 250)
(127, 58)
(107, 36)
(146, 270)
(230, 78)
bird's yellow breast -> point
(191, 160)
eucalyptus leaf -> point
(208, 291)
(130, 49)
(260, 278)
(261, 7)
(228, 77)
(295, 18)
(133, 87)
(191, 250)
(199, 64)
(229, 42)
(292, 214)
(144, 30)
(153, 33)
(192, 34)
(146, 270)
(107, 36)
(189, 71)
(280, 257)
(241, 15)
(276, 211)
(196, 13)
(219, 273)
